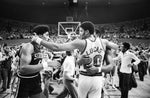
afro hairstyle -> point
(40, 29)
(87, 25)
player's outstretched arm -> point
(25, 60)
(69, 46)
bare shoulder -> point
(27, 48)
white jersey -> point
(95, 50)
(69, 65)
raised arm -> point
(25, 59)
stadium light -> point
(75, 1)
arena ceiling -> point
(53, 11)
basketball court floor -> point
(142, 91)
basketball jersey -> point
(95, 50)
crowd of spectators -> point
(135, 29)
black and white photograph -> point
(74, 48)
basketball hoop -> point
(66, 28)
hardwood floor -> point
(142, 91)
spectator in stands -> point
(1, 59)
(47, 77)
(142, 66)
(6, 68)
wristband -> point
(99, 69)
(38, 41)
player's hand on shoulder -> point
(36, 39)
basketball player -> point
(90, 85)
(30, 66)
